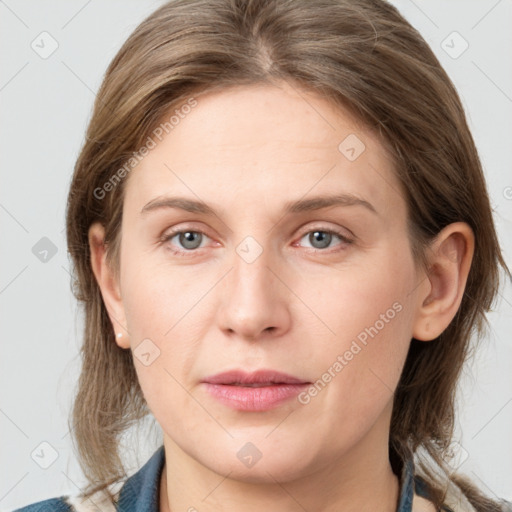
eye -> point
(321, 238)
(188, 240)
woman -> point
(283, 242)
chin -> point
(247, 463)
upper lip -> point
(257, 377)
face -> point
(324, 293)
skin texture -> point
(295, 308)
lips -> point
(259, 391)
(259, 378)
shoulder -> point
(138, 493)
(455, 499)
(99, 501)
(51, 505)
(420, 504)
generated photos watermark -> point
(151, 142)
(344, 359)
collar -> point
(407, 485)
(141, 492)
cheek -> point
(370, 313)
(166, 319)
(157, 297)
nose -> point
(254, 303)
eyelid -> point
(339, 231)
(171, 232)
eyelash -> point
(191, 252)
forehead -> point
(264, 143)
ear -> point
(108, 284)
(451, 254)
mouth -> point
(258, 391)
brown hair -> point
(364, 56)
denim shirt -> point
(141, 492)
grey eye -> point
(322, 237)
(189, 239)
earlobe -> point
(450, 259)
(108, 283)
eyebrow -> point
(302, 205)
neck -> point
(359, 480)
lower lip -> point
(254, 399)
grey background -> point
(45, 106)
